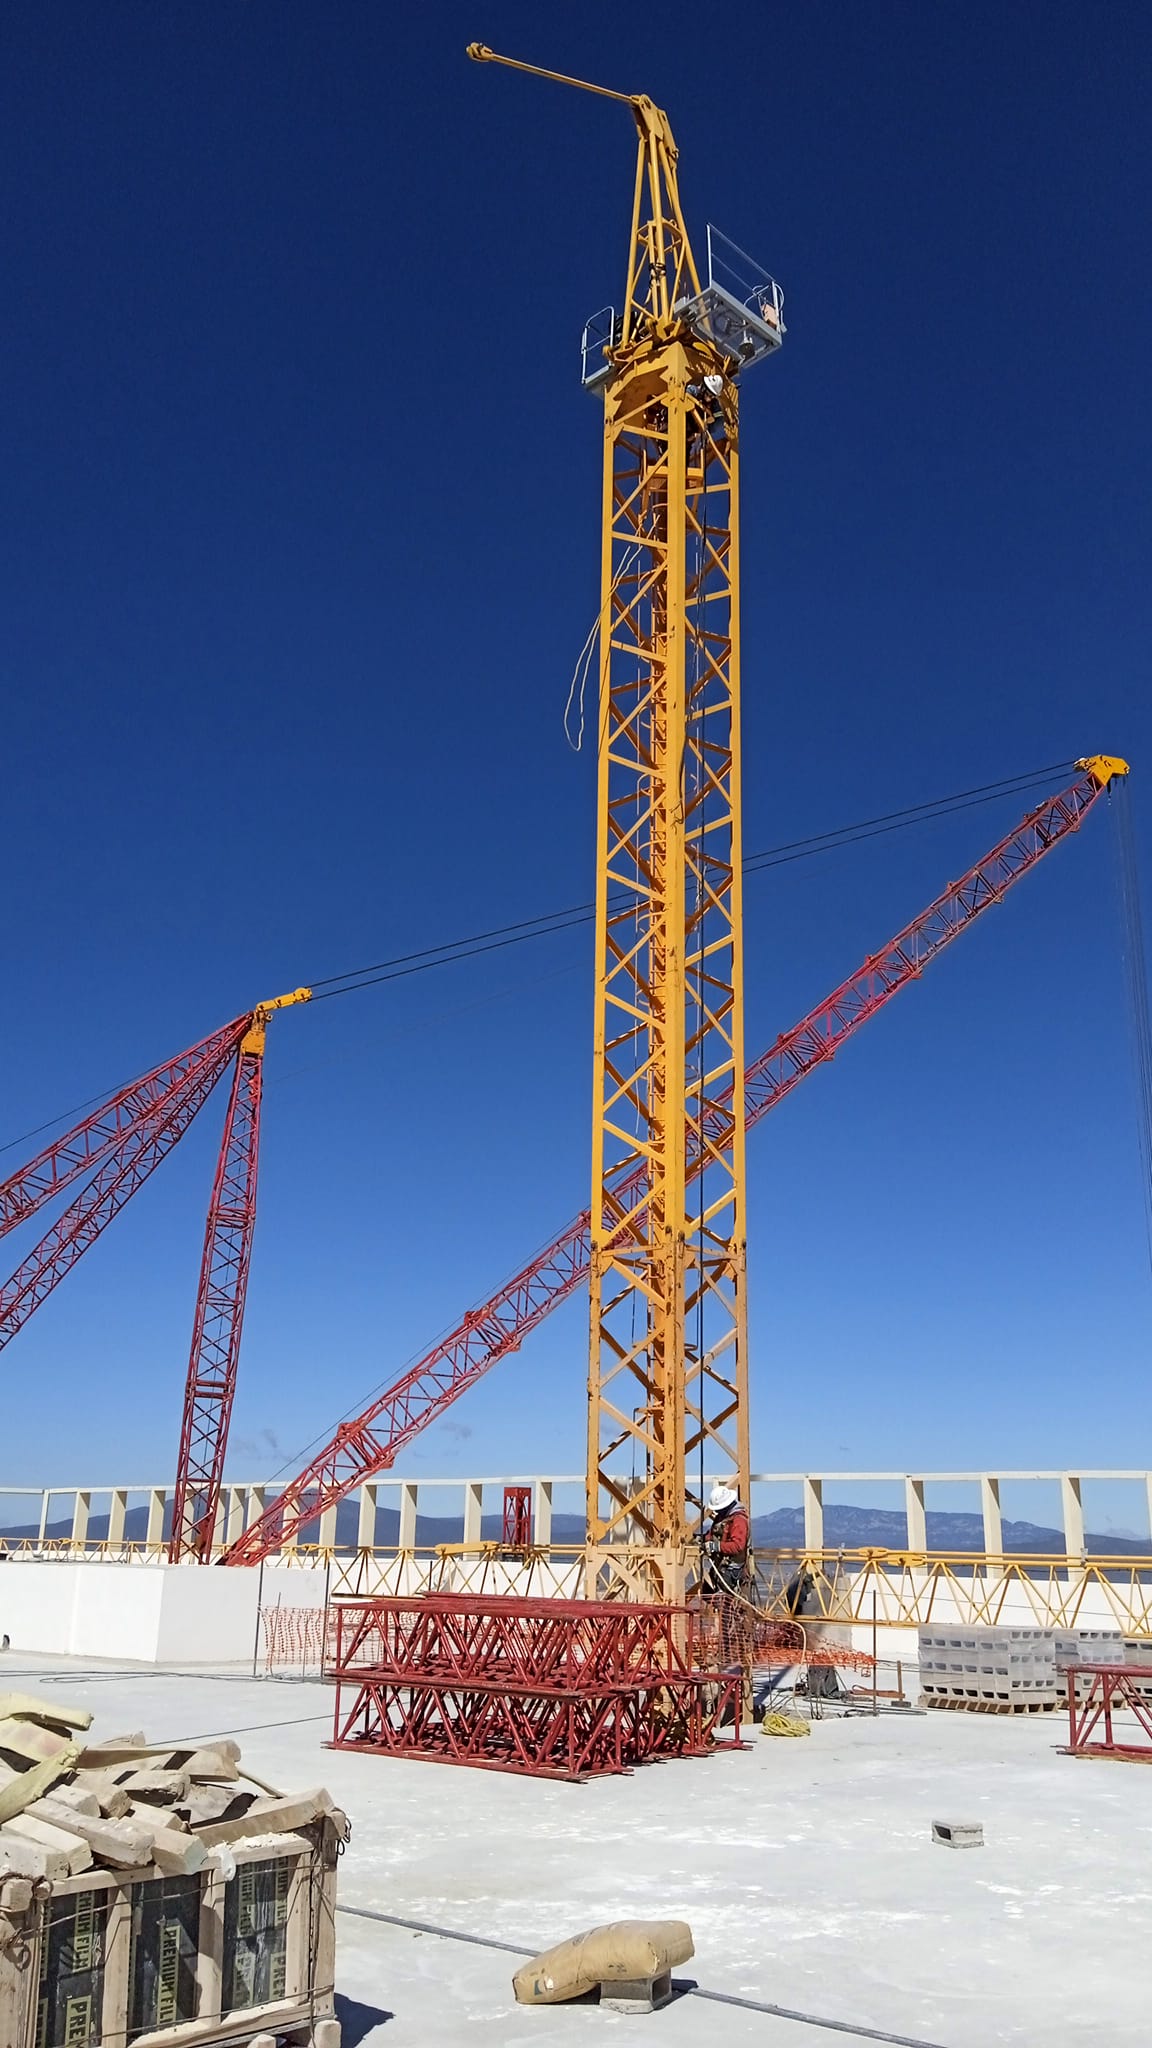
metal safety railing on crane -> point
(369, 1443)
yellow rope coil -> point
(784, 1724)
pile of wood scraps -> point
(66, 1805)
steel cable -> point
(1136, 978)
(402, 965)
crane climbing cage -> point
(739, 309)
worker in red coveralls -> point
(727, 1538)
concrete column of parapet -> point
(154, 1532)
(117, 1514)
(234, 1523)
(409, 1492)
(255, 1505)
(542, 1514)
(990, 1511)
(915, 1515)
(1072, 1508)
(80, 1515)
(473, 1511)
(45, 1503)
(328, 1528)
(366, 1519)
(813, 1490)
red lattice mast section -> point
(370, 1443)
(211, 1383)
(218, 1325)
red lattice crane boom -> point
(90, 1141)
(211, 1382)
(126, 1161)
(125, 1139)
(369, 1444)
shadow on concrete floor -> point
(357, 2021)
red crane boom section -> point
(89, 1142)
(370, 1442)
(126, 1162)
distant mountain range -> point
(845, 1527)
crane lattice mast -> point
(668, 1369)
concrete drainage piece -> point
(966, 1834)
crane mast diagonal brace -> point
(370, 1443)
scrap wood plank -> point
(22, 1857)
(64, 1840)
(28, 1706)
(158, 1787)
(270, 1816)
(112, 1800)
(19, 1788)
(28, 1739)
(175, 1852)
(207, 1803)
(123, 1843)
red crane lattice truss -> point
(370, 1442)
(216, 1331)
(125, 1140)
(547, 1688)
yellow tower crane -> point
(668, 1367)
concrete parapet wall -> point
(144, 1613)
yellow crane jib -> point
(1102, 767)
(736, 309)
(253, 1039)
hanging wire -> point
(402, 965)
(1136, 977)
(584, 659)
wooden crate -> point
(108, 1958)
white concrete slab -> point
(806, 1869)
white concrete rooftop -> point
(806, 1869)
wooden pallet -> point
(974, 1706)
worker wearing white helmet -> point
(727, 1539)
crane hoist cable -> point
(1136, 983)
(548, 922)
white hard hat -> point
(722, 1497)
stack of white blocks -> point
(1017, 1669)
(1087, 1646)
(1010, 1668)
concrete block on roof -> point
(959, 1834)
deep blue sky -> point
(300, 498)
